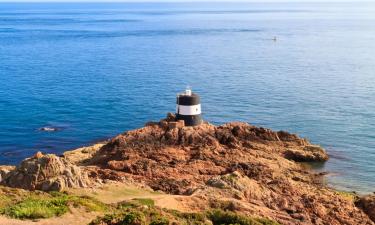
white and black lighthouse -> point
(189, 108)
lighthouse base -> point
(190, 120)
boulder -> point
(47, 173)
(367, 203)
(171, 117)
(310, 153)
(4, 171)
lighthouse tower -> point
(189, 108)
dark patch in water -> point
(338, 155)
(45, 147)
(11, 153)
(319, 166)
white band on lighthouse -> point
(189, 110)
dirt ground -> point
(117, 192)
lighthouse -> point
(189, 108)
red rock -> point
(38, 155)
(367, 203)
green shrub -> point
(193, 218)
(89, 203)
(160, 221)
(128, 205)
(266, 221)
(219, 217)
(135, 203)
(48, 205)
(224, 205)
(141, 215)
(188, 218)
(133, 218)
(106, 219)
(37, 208)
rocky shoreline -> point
(250, 170)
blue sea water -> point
(95, 70)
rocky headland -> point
(235, 167)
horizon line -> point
(189, 1)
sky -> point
(186, 1)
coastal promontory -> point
(167, 173)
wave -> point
(61, 21)
(108, 34)
(156, 12)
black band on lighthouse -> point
(190, 120)
(192, 99)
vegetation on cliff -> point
(21, 204)
(137, 214)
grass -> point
(21, 204)
(5, 201)
(220, 217)
(32, 208)
(91, 204)
(37, 205)
(136, 203)
(137, 214)
(145, 201)
(132, 216)
(112, 193)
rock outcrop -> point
(180, 159)
(47, 173)
(254, 169)
(367, 203)
(4, 171)
(310, 153)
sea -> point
(95, 70)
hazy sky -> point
(186, 1)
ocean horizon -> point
(94, 70)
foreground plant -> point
(35, 205)
(136, 213)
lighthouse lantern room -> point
(189, 108)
